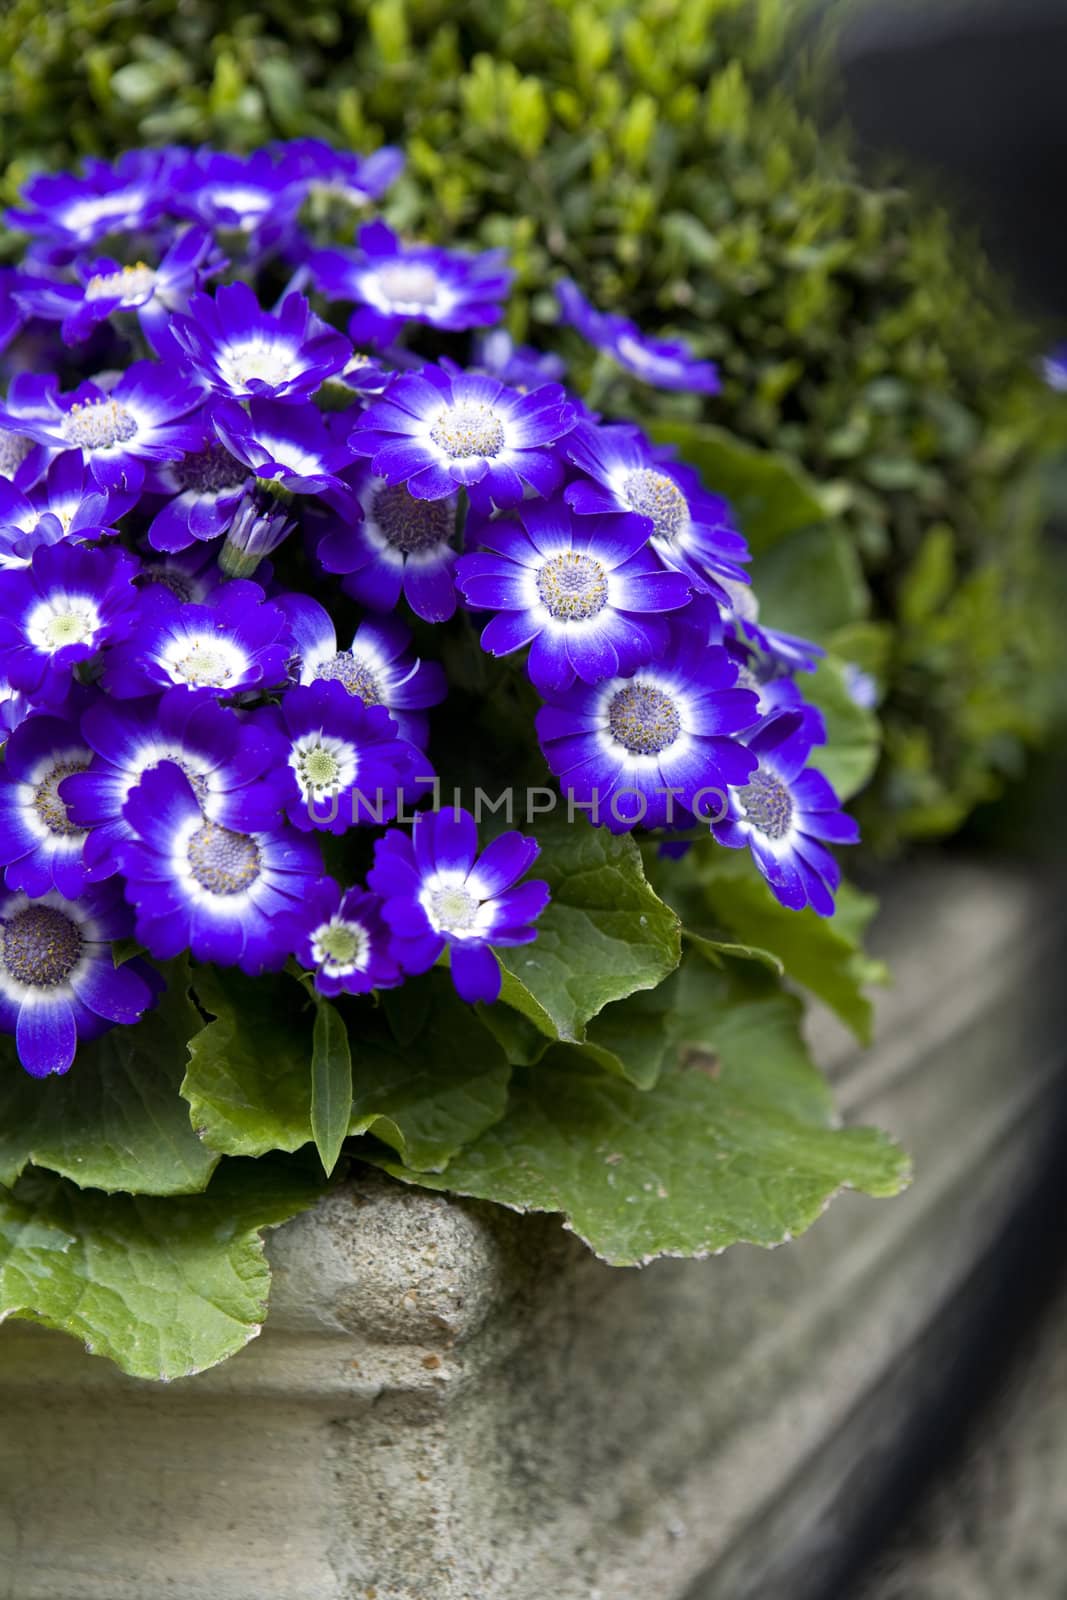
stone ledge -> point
(453, 1403)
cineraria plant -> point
(396, 765)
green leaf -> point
(634, 1037)
(248, 1082)
(715, 950)
(604, 935)
(822, 953)
(810, 584)
(116, 1121)
(428, 1097)
(163, 1287)
(771, 495)
(331, 1084)
(853, 733)
(735, 1143)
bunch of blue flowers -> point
(260, 492)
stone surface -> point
(454, 1403)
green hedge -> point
(650, 150)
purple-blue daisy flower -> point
(243, 351)
(106, 287)
(290, 443)
(41, 846)
(58, 978)
(73, 212)
(377, 666)
(60, 610)
(342, 174)
(117, 431)
(641, 749)
(688, 528)
(585, 594)
(399, 546)
(343, 941)
(741, 612)
(234, 644)
(437, 892)
(344, 762)
(393, 283)
(663, 363)
(440, 430)
(219, 753)
(204, 489)
(518, 365)
(214, 885)
(255, 197)
(187, 576)
(787, 813)
(32, 399)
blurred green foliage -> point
(663, 153)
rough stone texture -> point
(453, 1403)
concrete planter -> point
(452, 1403)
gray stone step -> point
(453, 1403)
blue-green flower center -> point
(340, 946)
(644, 719)
(41, 947)
(222, 861)
(98, 424)
(468, 430)
(767, 804)
(573, 587)
(654, 495)
(409, 525)
(453, 909)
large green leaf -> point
(164, 1287)
(822, 953)
(604, 935)
(810, 584)
(854, 734)
(735, 1142)
(428, 1096)
(250, 1077)
(771, 496)
(116, 1120)
(248, 1082)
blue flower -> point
(60, 610)
(32, 398)
(58, 978)
(438, 431)
(688, 528)
(862, 686)
(41, 846)
(74, 212)
(65, 504)
(665, 364)
(256, 197)
(343, 941)
(741, 611)
(235, 643)
(1054, 368)
(342, 174)
(586, 594)
(204, 489)
(258, 528)
(189, 576)
(240, 350)
(376, 666)
(394, 284)
(106, 287)
(118, 430)
(644, 748)
(340, 762)
(787, 813)
(400, 546)
(518, 365)
(219, 754)
(215, 886)
(289, 443)
(437, 892)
